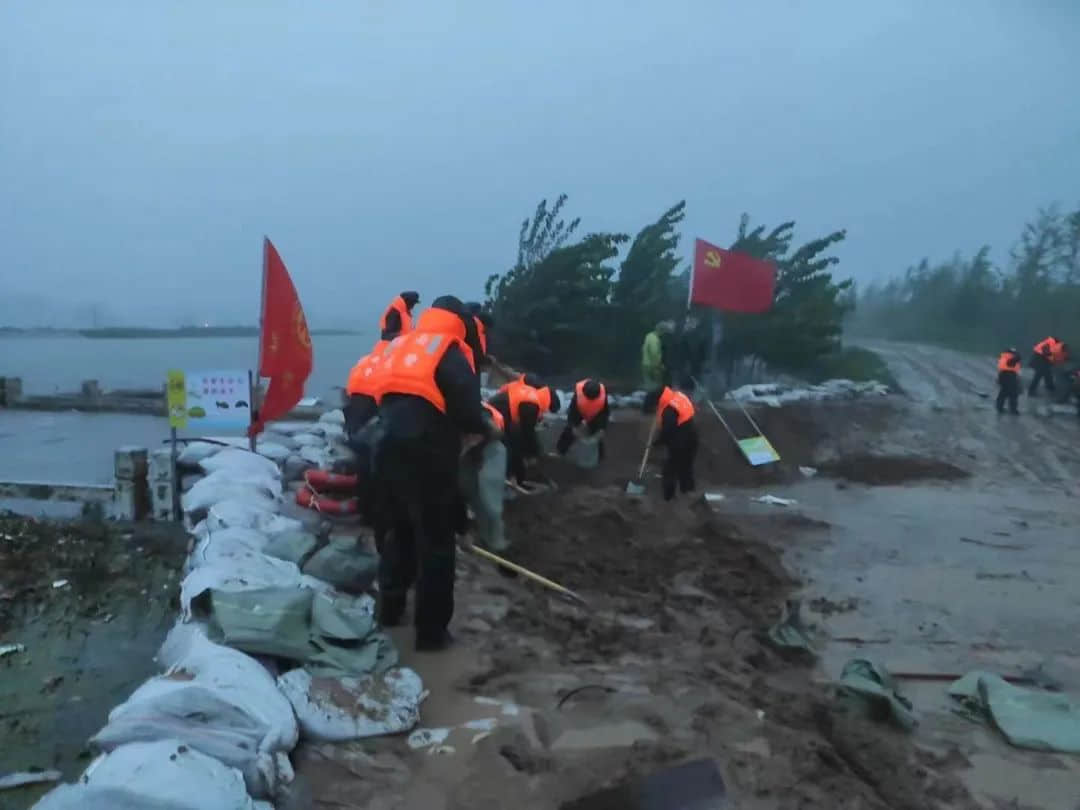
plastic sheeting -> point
(336, 709)
(162, 775)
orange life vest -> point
(1046, 347)
(403, 310)
(481, 333)
(518, 393)
(361, 377)
(684, 408)
(1058, 354)
(1008, 361)
(409, 362)
(496, 416)
(589, 408)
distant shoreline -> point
(124, 332)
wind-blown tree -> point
(644, 291)
(552, 309)
(806, 320)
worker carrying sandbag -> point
(1008, 380)
(1047, 354)
(522, 404)
(397, 320)
(429, 398)
(677, 431)
(482, 478)
(587, 416)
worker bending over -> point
(360, 405)
(586, 415)
(429, 398)
(397, 320)
(1008, 380)
(522, 404)
(675, 419)
(1047, 353)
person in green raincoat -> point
(652, 358)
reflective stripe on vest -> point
(409, 367)
(1007, 361)
(496, 416)
(684, 408)
(589, 408)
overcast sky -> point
(146, 147)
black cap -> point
(411, 298)
(591, 389)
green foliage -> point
(806, 321)
(644, 292)
(968, 303)
(851, 363)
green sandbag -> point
(265, 621)
(1038, 720)
(483, 483)
(343, 565)
(294, 547)
(873, 683)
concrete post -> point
(10, 391)
(161, 485)
(131, 500)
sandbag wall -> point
(276, 642)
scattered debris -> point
(988, 544)
(790, 633)
(426, 737)
(773, 500)
(14, 780)
(9, 649)
(873, 683)
(808, 472)
(60, 583)
(1036, 720)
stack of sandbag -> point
(264, 653)
(318, 445)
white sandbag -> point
(292, 428)
(194, 452)
(161, 775)
(273, 437)
(334, 417)
(247, 514)
(308, 440)
(273, 451)
(189, 480)
(319, 456)
(220, 702)
(334, 433)
(233, 458)
(294, 467)
(247, 485)
(337, 709)
(247, 572)
(210, 545)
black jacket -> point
(670, 429)
(520, 437)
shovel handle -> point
(648, 447)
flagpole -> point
(253, 378)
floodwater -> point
(49, 365)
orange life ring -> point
(311, 499)
(322, 480)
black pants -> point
(1008, 391)
(423, 509)
(679, 464)
(567, 438)
(1043, 371)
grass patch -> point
(855, 364)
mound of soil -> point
(886, 470)
(795, 431)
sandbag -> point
(334, 433)
(319, 456)
(162, 775)
(265, 621)
(249, 514)
(274, 437)
(222, 541)
(233, 458)
(295, 547)
(344, 566)
(250, 573)
(247, 486)
(334, 417)
(337, 709)
(274, 451)
(220, 702)
(194, 452)
(308, 440)
(294, 467)
(483, 483)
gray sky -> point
(146, 147)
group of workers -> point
(422, 382)
(1048, 356)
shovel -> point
(637, 486)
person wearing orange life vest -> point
(360, 407)
(429, 399)
(484, 324)
(397, 320)
(522, 404)
(1043, 358)
(586, 415)
(675, 419)
(1008, 380)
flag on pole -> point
(284, 342)
(731, 281)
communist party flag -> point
(731, 281)
(284, 342)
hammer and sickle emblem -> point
(300, 322)
(712, 258)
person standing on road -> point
(1042, 362)
(587, 415)
(1008, 380)
(429, 398)
(675, 417)
(652, 359)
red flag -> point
(284, 341)
(734, 282)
